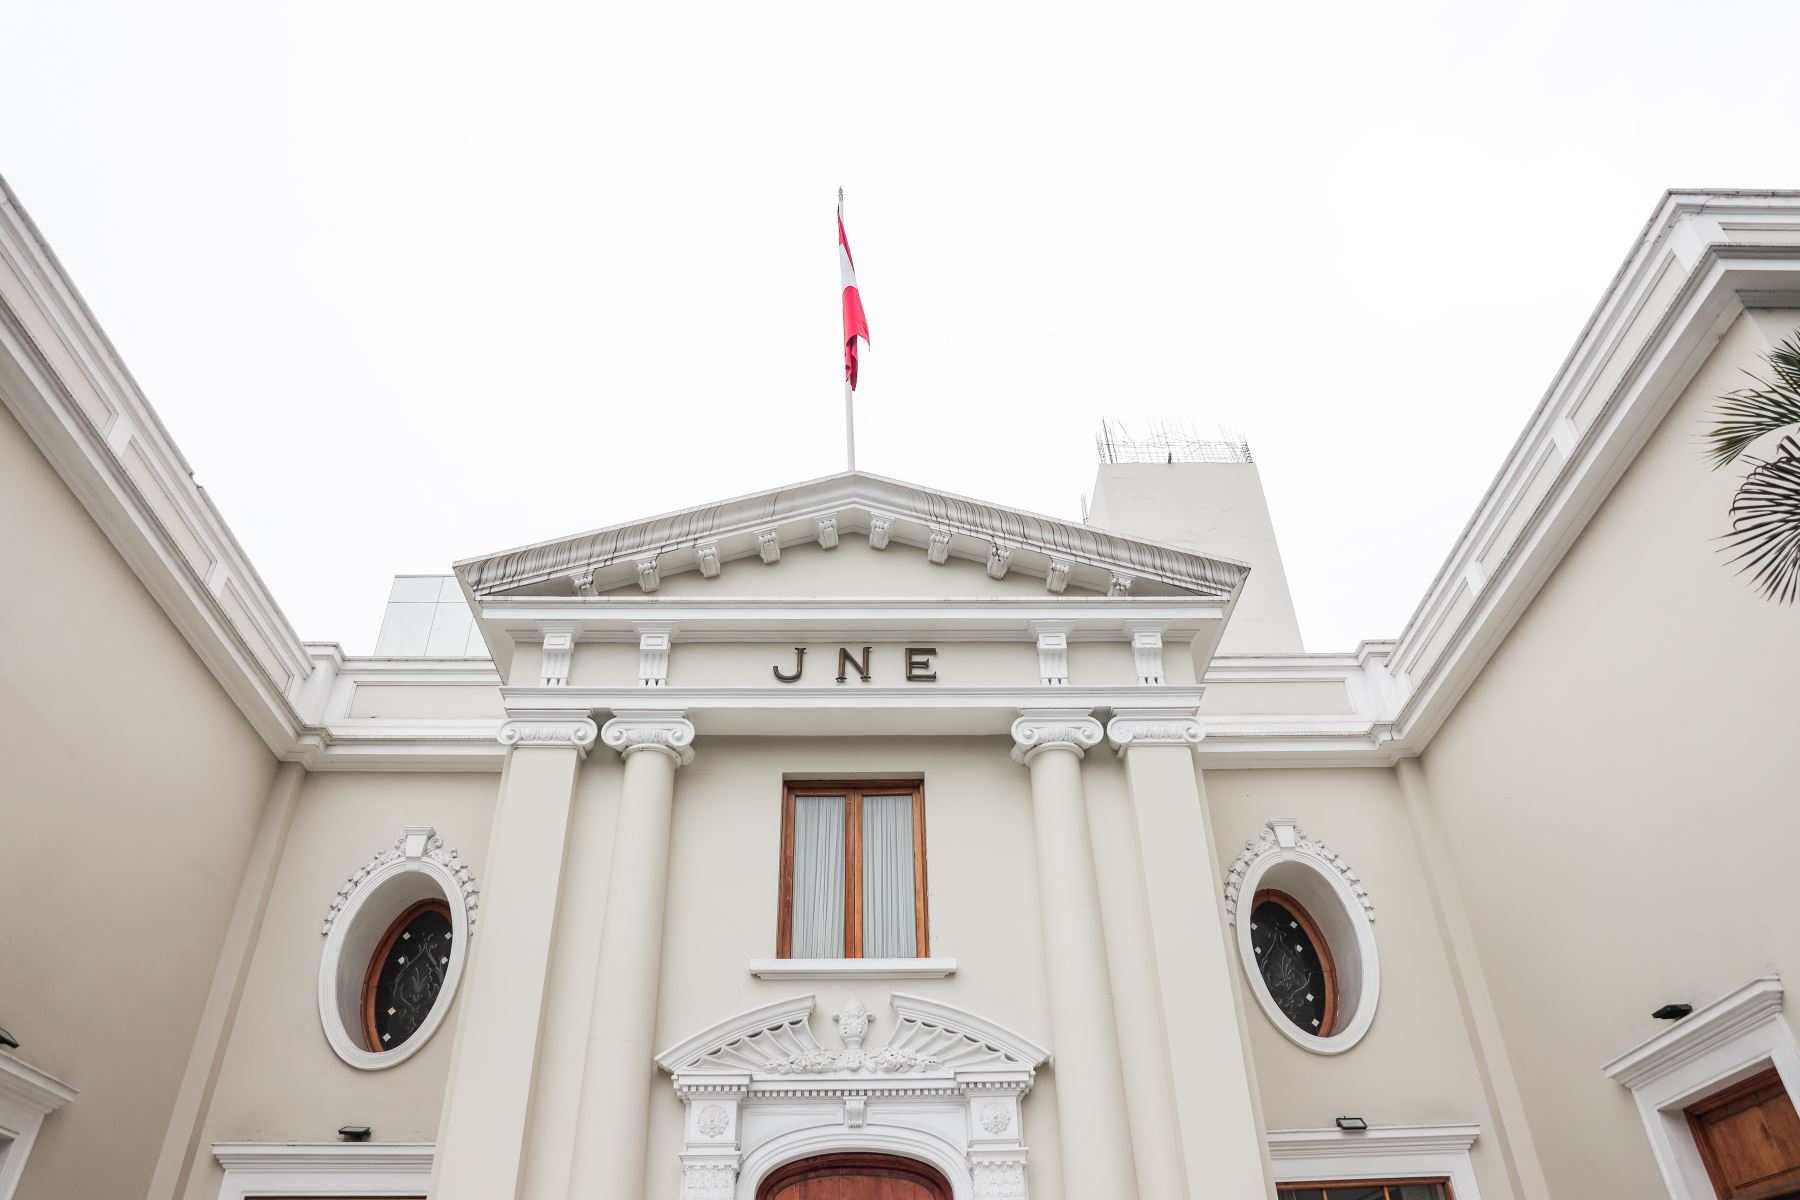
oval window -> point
(1295, 962)
(406, 974)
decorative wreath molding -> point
(1284, 833)
(416, 867)
(761, 1092)
(1281, 856)
(418, 842)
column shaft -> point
(1090, 1091)
(1137, 997)
(1216, 1106)
(487, 1101)
(613, 1119)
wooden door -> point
(1749, 1139)
(855, 1177)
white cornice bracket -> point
(1119, 584)
(879, 527)
(647, 576)
(768, 545)
(559, 655)
(1147, 649)
(1053, 652)
(653, 654)
(939, 550)
(999, 558)
(1056, 578)
(708, 554)
(828, 533)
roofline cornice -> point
(854, 500)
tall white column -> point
(482, 1132)
(1217, 1111)
(613, 1119)
(1090, 1090)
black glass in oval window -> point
(411, 975)
(1290, 965)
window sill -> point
(852, 968)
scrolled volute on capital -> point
(1036, 731)
(665, 733)
(576, 732)
(1154, 729)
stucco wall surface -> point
(280, 1080)
(1416, 1065)
(128, 797)
(1613, 789)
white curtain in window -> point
(889, 927)
(818, 877)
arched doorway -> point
(854, 1177)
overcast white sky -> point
(411, 282)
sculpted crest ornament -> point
(416, 842)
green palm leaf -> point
(1750, 413)
(1765, 523)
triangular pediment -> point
(952, 546)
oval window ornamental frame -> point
(1281, 858)
(415, 869)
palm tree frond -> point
(1750, 413)
(1765, 523)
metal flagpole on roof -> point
(849, 388)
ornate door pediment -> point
(945, 1089)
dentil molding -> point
(578, 732)
(665, 732)
(1044, 729)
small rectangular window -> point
(853, 871)
(1369, 1189)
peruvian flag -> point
(856, 325)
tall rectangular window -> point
(853, 871)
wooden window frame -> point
(1736, 1094)
(853, 792)
(1286, 1187)
(372, 973)
(1328, 1025)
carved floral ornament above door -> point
(945, 1089)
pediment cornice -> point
(886, 511)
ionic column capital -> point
(567, 730)
(1049, 728)
(665, 732)
(1154, 727)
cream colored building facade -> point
(1553, 804)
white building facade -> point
(855, 839)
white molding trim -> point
(255, 1169)
(1385, 1152)
(852, 968)
(1736, 1036)
(761, 1091)
(1282, 856)
(414, 868)
(28, 1094)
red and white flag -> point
(856, 325)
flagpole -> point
(849, 389)
(849, 424)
